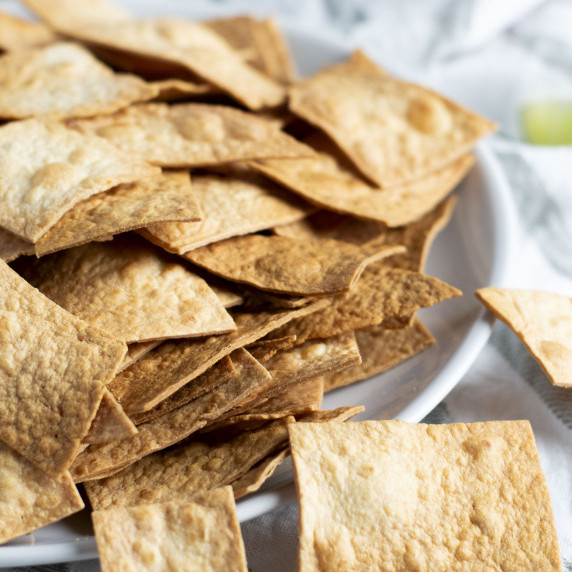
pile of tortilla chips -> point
(200, 245)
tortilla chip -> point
(393, 131)
(171, 536)
(301, 397)
(190, 468)
(12, 246)
(129, 289)
(258, 475)
(99, 461)
(382, 292)
(40, 157)
(231, 206)
(542, 320)
(192, 134)
(287, 265)
(260, 41)
(325, 416)
(110, 423)
(396, 496)
(64, 80)
(380, 350)
(263, 350)
(418, 236)
(228, 296)
(174, 89)
(137, 351)
(167, 368)
(166, 197)
(29, 498)
(220, 372)
(18, 34)
(325, 182)
(49, 397)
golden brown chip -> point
(64, 80)
(261, 43)
(382, 292)
(130, 289)
(192, 134)
(47, 169)
(29, 498)
(256, 477)
(220, 372)
(137, 351)
(98, 461)
(393, 131)
(201, 534)
(170, 366)
(324, 182)
(231, 206)
(380, 350)
(110, 423)
(166, 197)
(263, 350)
(396, 496)
(12, 246)
(325, 416)
(174, 89)
(199, 465)
(542, 320)
(53, 367)
(287, 265)
(17, 34)
(418, 236)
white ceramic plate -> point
(472, 252)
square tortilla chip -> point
(29, 498)
(64, 80)
(110, 423)
(166, 197)
(382, 292)
(40, 157)
(396, 496)
(130, 289)
(203, 531)
(100, 461)
(231, 206)
(173, 364)
(380, 350)
(260, 41)
(542, 320)
(200, 464)
(192, 134)
(287, 265)
(49, 397)
(18, 34)
(393, 131)
(324, 180)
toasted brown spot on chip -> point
(395, 496)
(542, 320)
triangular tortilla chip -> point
(64, 80)
(17, 34)
(323, 181)
(12, 246)
(263, 350)
(542, 320)
(287, 265)
(110, 423)
(130, 289)
(380, 350)
(382, 292)
(203, 531)
(49, 396)
(29, 498)
(231, 206)
(136, 351)
(173, 364)
(393, 131)
(260, 41)
(99, 461)
(198, 465)
(388, 495)
(258, 475)
(166, 197)
(40, 157)
(192, 134)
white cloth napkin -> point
(491, 55)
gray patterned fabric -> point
(491, 57)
